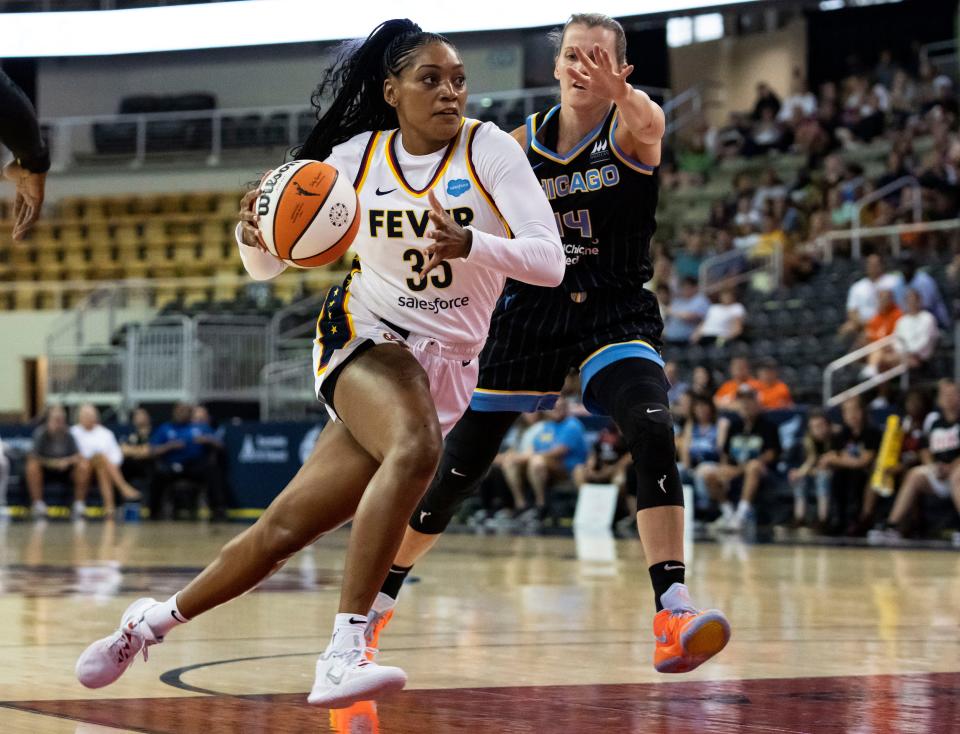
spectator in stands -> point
(939, 471)
(772, 392)
(685, 312)
(923, 283)
(701, 382)
(497, 504)
(801, 104)
(850, 459)
(138, 455)
(767, 100)
(550, 451)
(885, 320)
(664, 299)
(862, 297)
(56, 458)
(740, 375)
(771, 188)
(749, 453)
(98, 445)
(817, 442)
(183, 453)
(699, 446)
(723, 321)
(771, 239)
(20, 132)
(690, 256)
(608, 462)
(678, 387)
(917, 336)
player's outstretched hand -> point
(450, 240)
(600, 76)
(29, 197)
(248, 220)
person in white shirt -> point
(99, 446)
(397, 343)
(862, 296)
(917, 335)
(723, 322)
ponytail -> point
(356, 81)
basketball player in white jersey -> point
(397, 343)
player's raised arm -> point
(20, 132)
(534, 255)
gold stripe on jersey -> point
(471, 171)
(365, 162)
(394, 165)
(602, 349)
(621, 155)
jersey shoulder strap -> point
(621, 155)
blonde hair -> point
(592, 20)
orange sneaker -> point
(687, 638)
(360, 718)
(376, 621)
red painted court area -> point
(895, 704)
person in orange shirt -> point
(888, 313)
(739, 375)
(773, 392)
(880, 326)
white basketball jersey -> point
(454, 302)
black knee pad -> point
(467, 455)
(634, 393)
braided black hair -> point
(356, 81)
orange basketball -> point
(307, 213)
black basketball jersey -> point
(604, 202)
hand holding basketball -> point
(450, 240)
(248, 220)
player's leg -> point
(634, 392)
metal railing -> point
(286, 391)
(136, 139)
(882, 193)
(684, 108)
(282, 338)
(823, 245)
(901, 370)
(733, 268)
(231, 353)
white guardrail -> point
(901, 370)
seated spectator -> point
(917, 336)
(699, 446)
(767, 135)
(767, 100)
(923, 283)
(771, 188)
(138, 454)
(771, 239)
(817, 442)
(183, 453)
(850, 460)
(690, 255)
(701, 382)
(772, 391)
(56, 458)
(99, 446)
(749, 453)
(939, 471)
(740, 375)
(801, 103)
(608, 462)
(862, 298)
(685, 312)
(723, 321)
(550, 451)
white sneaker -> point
(345, 675)
(39, 510)
(106, 659)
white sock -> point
(743, 508)
(164, 617)
(726, 509)
(677, 597)
(346, 625)
(383, 603)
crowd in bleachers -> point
(167, 468)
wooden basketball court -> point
(500, 634)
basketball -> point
(307, 213)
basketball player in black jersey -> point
(596, 155)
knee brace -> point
(468, 453)
(634, 393)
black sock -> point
(664, 575)
(391, 586)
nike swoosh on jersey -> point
(378, 192)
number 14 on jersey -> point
(578, 220)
